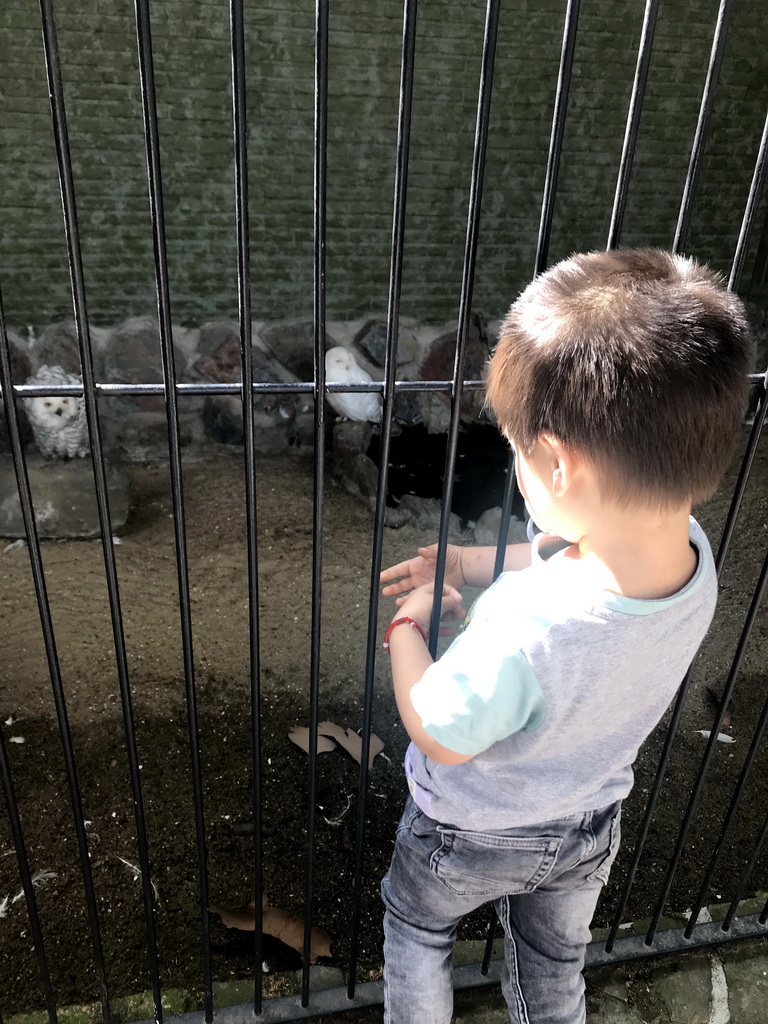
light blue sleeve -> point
(476, 695)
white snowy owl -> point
(58, 421)
(342, 367)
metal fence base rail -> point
(469, 976)
(673, 940)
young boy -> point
(620, 381)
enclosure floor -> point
(149, 591)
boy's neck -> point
(638, 553)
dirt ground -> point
(149, 591)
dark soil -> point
(217, 569)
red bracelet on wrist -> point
(400, 622)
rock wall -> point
(282, 352)
(192, 72)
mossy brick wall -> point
(192, 61)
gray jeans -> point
(544, 881)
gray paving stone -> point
(684, 989)
(748, 989)
(480, 1006)
(487, 1006)
(609, 980)
(602, 1009)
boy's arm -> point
(410, 660)
(477, 563)
(464, 567)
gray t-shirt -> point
(553, 688)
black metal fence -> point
(614, 948)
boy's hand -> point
(418, 571)
(418, 605)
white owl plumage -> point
(341, 367)
(58, 421)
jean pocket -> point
(481, 864)
(609, 851)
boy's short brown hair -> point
(638, 359)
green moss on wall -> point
(192, 66)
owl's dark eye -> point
(47, 404)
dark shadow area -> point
(417, 466)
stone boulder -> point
(487, 527)
(218, 352)
(350, 466)
(21, 358)
(438, 364)
(222, 415)
(63, 496)
(222, 420)
(218, 356)
(57, 346)
(133, 356)
(371, 341)
(292, 344)
(408, 408)
(148, 430)
(21, 368)
(423, 514)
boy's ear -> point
(563, 464)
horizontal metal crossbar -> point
(284, 388)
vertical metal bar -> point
(757, 849)
(650, 807)
(707, 757)
(465, 305)
(633, 122)
(69, 209)
(410, 10)
(489, 940)
(741, 483)
(5, 770)
(240, 143)
(748, 221)
(733, 806)
(568, 49)
(506, 511)
(702, 125)
(725, 540)
(747, 225)
(152, 143)
(320, 166)
(558, 130)
(683, 691)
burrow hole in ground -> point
(417, 466)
